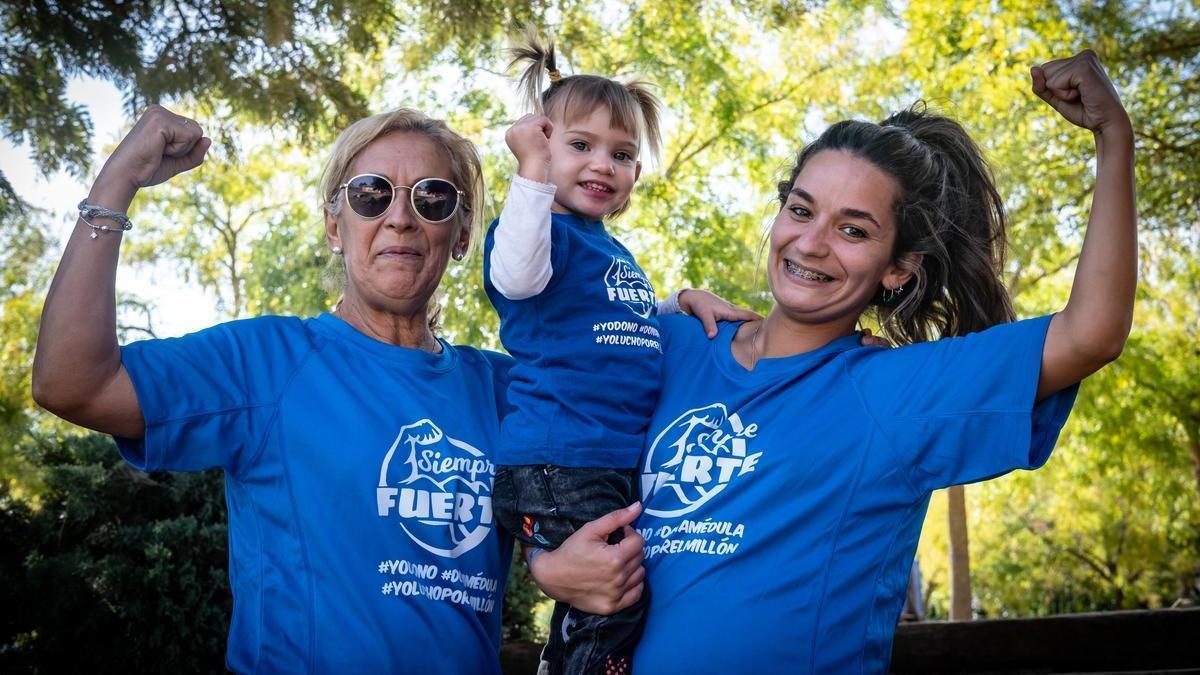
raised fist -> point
(1079, 89)
(160, 145)
(529, 140)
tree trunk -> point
(1194, 446)
(960, 556)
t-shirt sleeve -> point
(207, 398)
(960, 410)
(501, 366)
(560, 248)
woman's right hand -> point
(160, 145)
(590, 574)
(529, 140)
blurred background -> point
(105, 566)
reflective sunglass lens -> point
(434, 199)
(369, 196)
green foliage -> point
(116, 570)
(526, 610)
(230, 213)
(23, 278)
(1111, 522)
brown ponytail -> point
(540, 56)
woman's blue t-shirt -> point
(588, 353)
(783, 505)
(358, 480)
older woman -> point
(789, 468)
(356, 445)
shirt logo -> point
(694, 459)
(441, 491)
(627, 284)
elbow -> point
(1102, 350)
(515, 288)
(1097, 338)
(44, 391)
(52, 391)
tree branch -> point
(686, 153)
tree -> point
(231, 210)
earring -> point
(337, 250)
(458, 255)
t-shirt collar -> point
(419, 358)
(770, 368)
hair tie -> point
(555, 76)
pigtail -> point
(958, 288)
(542, 63)
(651, 109)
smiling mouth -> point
(805, 273)
(596, 187)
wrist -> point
(672, 305)
(112, 193)
(538, 171)
(532, 553)
(1115, 136)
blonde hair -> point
(466, 172)
(631, 106)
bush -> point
(116, 569)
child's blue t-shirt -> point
(587, 350)
(358, 480)
(783, 505)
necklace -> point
(755, 352)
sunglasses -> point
(433, 199)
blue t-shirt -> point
(783, 504)
(358, 479)
(588, 354)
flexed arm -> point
(77, 371)
(520, 265)
(1091, 330)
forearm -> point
(1099, 312)
(77, 354)
(520, 264)
(1091, 330)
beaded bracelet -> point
(88, 211)
(531, 553)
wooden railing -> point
(1165, 640)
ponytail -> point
(540, 55)
(947, 210)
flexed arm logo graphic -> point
(694, 459)
(444, 500)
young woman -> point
(788, 468)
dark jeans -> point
(542, 505)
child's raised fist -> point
(529, 140)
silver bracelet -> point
(88, 211)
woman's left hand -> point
(1080, 90)
(711, 308)
(590, 574)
